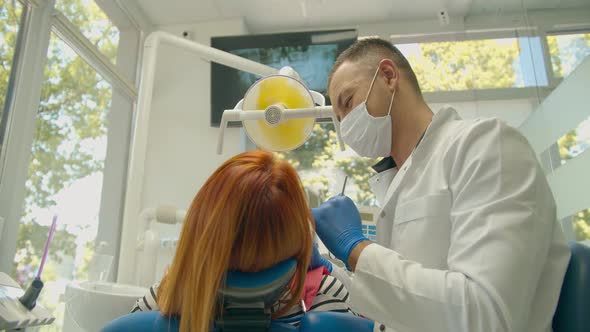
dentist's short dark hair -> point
(372, 50)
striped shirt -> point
(331, 296)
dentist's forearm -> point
(356, 253)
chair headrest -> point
(250, 295)
(265, 286)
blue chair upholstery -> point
(143, 321)
(573, 309)
(334, 321)
(247, 299)
(153, 321)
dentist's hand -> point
(338, 224)
(318, 260)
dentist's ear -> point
(391, 73)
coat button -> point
(381, 327)
(382, 214)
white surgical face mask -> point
(367, 135)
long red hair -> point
(249, 215)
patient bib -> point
(311, 286)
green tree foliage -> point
(360, 171)
(306, 159)
(567, 51)
(74, 99)
(30, 243)
(566, 143)
(581, 224)
(74, 102)
(465, 65)
(555, 58)
(93, 23)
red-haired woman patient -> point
(250, 215)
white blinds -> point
(563, 110)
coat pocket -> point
(431, 205)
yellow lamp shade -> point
(288, 93)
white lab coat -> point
(467, 238)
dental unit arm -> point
(148, 242)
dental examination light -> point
(279, 112)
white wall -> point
(181, 147)
(181, 150)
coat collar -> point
(387, 169)
(445, 114)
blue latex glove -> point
(318, 260)
(338, 224)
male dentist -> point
(467, 238)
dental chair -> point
(573, 308)
(247, 299)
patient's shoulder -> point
(331, 286)
(149, 301)
(331, 296)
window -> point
(567, 51)
(574, 142)
(475, 64)
(581, 225)
(64, 174)
(322, 167)
(93, 23)
(10, 13)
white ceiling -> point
(276, 15)
(262, 15)
(493, 6)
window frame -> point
(6, 117)
(35, 33)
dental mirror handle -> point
(344, 185)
